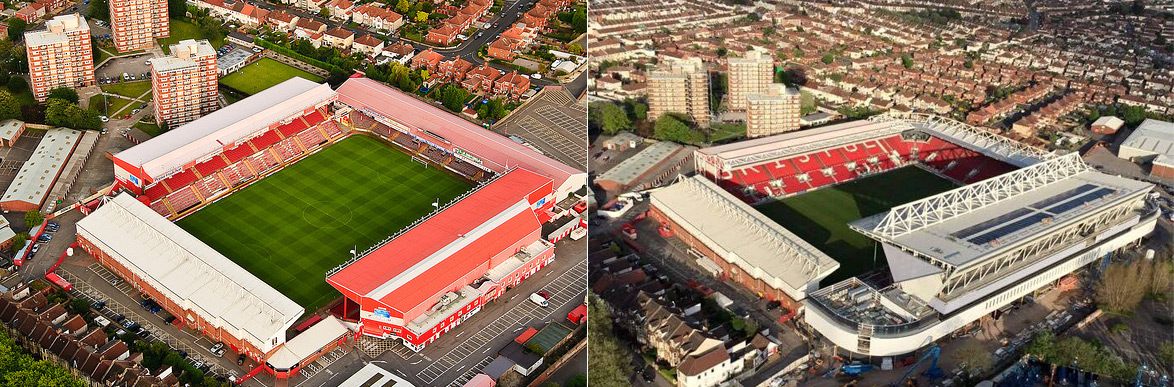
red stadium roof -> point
(431, 258)
(498, 152)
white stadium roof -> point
(189, 272)
(170, 151)
(824, 137)
(744, 236)
(962, 227)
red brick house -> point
(454, 70)
(511, 85)
(428, 60)
(443, 36)
(481, 79)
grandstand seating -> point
(183, 199)
(237, 173)
(160, 206)
(210, 167)
(312, 137)
(236, 154)
(156, 191)
(233, 167)
(287, 149)
(180, 180)
(332, 129)
(796, 174)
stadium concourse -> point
(415, 284)
(1019, 220)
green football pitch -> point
(821, 217)
(263, 74)
(292, 227)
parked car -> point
(217, 349)
(98, 304)
(539, 299)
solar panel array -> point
(1015, 221)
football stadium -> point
(889, 233)
(247, 218)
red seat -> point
(156, 191)
(265, 140)
(292, 128)
(160, 207)
(180, 180)
(211, 166)
(238, 153)
(183, 199)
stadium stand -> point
(492, 152)
(794, 174)
(433, 275)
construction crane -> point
(933, 372)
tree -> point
(18, 242)
(18, 368)
(1133, 115)
(669, 128)
(639, 110)
(976, 358)
(607, 359)
(79, 306)
(64, 93)
(492, 111)
(402, 6)
(421, 16)
(575, 48)
(1123, 286)
(1162, 277)
(324, 12)
(452, 97)
(579, 20)
(100, 10)
(9, 106)
(608, 117)
(17, 85)
(33, 218)
(907, 60)
(828, 58)
(177, 9)
(1166, 352)
(16, 27)
(578, 380)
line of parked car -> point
(50, 228)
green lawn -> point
(263, 74)
(184, 30)
(129, 89)
(113, 105)
(821, 217)
(292, 227)
(149, 128)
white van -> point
(539, 299)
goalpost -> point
(420, 160)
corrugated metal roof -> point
(167, 153)
(498, 152)
(37, 175)
(424, 261)
(189, 272)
